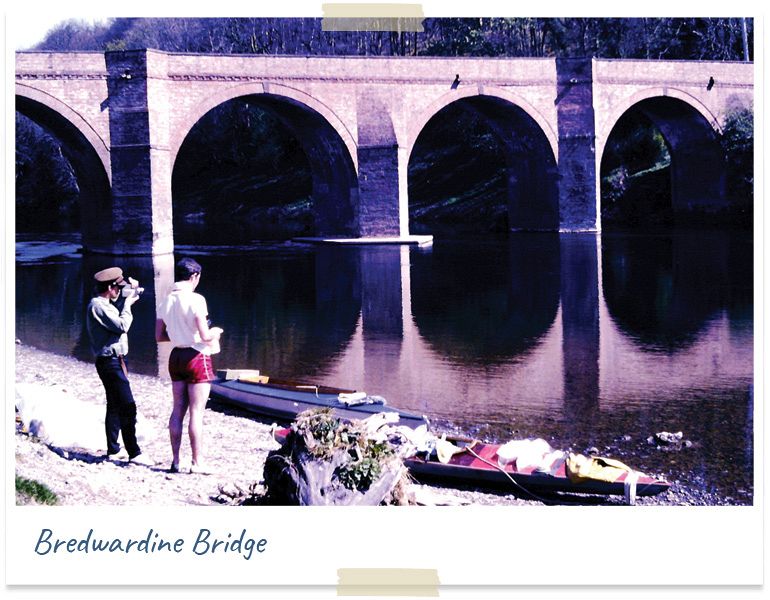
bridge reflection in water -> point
(565, 324)
(576, 338)
(475, 336)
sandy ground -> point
(236, 447)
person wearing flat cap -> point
(108, 320)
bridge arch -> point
(26, 99)
(620, 108)
(256, 88)
(327, 143)
(529, 150)
(88, 154)
(691, 133)
(478, 90)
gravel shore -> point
(236, 447)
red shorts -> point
(189, 365)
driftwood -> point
(325, 461)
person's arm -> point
(201, 311)
(208, 334)
(109, 317)
(161, 335)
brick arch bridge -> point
(124, 116)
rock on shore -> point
(236, 447)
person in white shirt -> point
(183, 320)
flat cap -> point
(113, 275)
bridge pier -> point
(383, 204)
(382, 169)
(578, 181)
(141, 165)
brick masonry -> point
(358, 119)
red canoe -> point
(478, 466)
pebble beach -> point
(236, 445)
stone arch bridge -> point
(123, 116)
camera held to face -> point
(132, 289)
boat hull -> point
(480, 469)
(283, 403)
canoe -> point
(284, 399)
(477, 465)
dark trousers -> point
(121, 408)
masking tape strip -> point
(387, 582)
(372, 17)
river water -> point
(594, 343)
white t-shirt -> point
(178, 312)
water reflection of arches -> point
(498, 306)
(323, 139)
(664, 294)
(691, 134)
(51, 300)
(286, 314)
(528, 187)
(85, 151)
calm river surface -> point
(584, 340)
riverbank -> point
(237, 445)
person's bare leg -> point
(198, 394)
(176, 420)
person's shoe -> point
(201, 470)
(119, 456)
(141, 459)
(174, 468)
